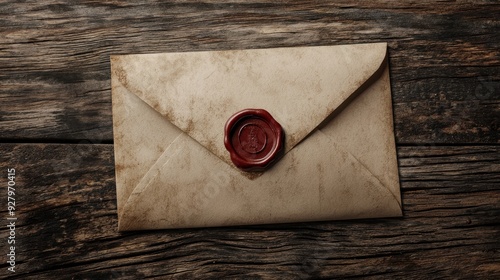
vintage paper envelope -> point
(333, 102)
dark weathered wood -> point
(54, 87)
(54, 57)
(67, 225)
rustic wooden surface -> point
(55, 130)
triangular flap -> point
(189, 187)
(199, 91)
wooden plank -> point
(67, 225)
(54, 57)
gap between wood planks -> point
(111, 142)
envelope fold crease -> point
(199, 91)
(334, 103)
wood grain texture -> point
(67, 225)
(54, 57)
(55, 87)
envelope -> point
(334, 105)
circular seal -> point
(254, 139)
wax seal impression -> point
(254, 139)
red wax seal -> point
(254, 139)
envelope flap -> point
(199, 91)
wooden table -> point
(56, 131)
